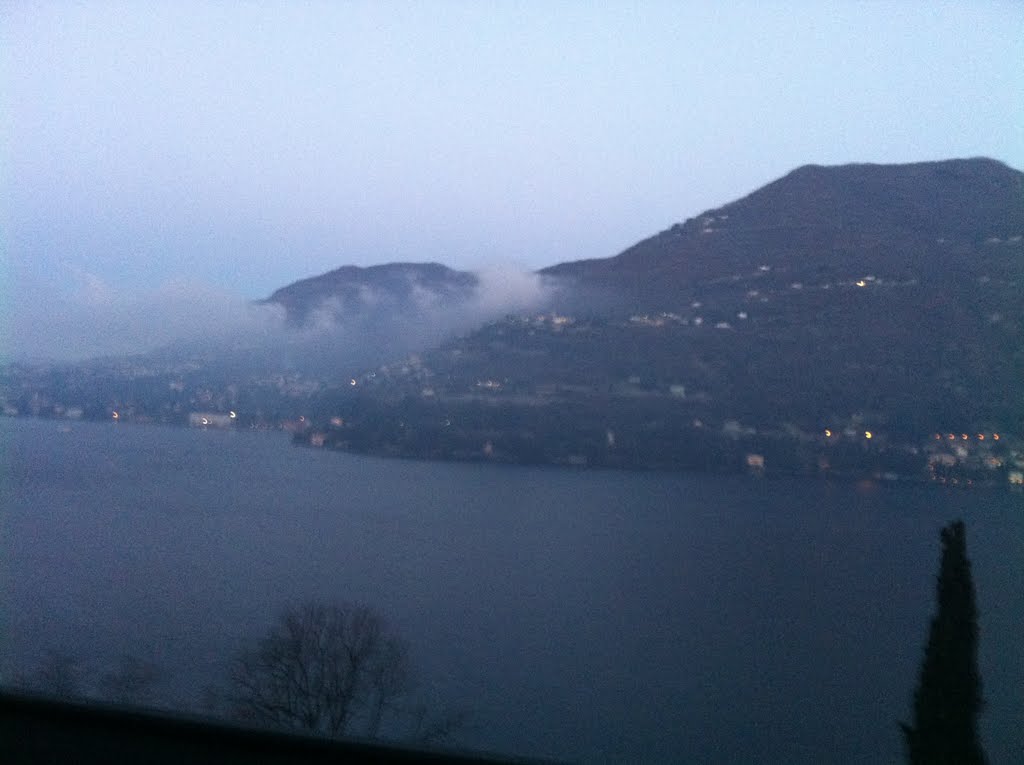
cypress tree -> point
(948, 700)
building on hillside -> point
(210, 420)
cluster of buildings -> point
(966, 457)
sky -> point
(153, 154)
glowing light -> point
(116, 416)
(951, 437)
(981, 436)
(964, 436)
(861, 283)
(352, 381)
(995, 436)
(206, 421)
(868, 434)
(232, 415)
(828, 433)
(938, 436)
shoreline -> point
(383, 450)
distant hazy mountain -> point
(265, 364)
(403, 287)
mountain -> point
(854, 319)
(881, 299)
(909, 221)
(349, 290)
(266, 365)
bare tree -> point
(132, 681)
(433, 728)
(63, 675)
(330, 670)
(58, 674)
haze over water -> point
(594, 616)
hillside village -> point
(527, 410)
(852, 321)
(530, 407)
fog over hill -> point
(861, 299)
(366, 316)
(393, 308)
(396, 287)
(882, 294)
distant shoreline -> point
(723, 468)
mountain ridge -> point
(360, 286)
(839, 211)
(803, 214)
(878, 302)
(852, 300)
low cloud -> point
(88, 318)
(504, 290)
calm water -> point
(594, 616)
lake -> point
(594, 616)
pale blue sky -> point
(243, 146)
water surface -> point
(580, 615)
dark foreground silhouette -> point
(34, 730)
(948, 697)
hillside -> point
(924, 220)
(853, 299)
(786, 326)
(405, 287)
